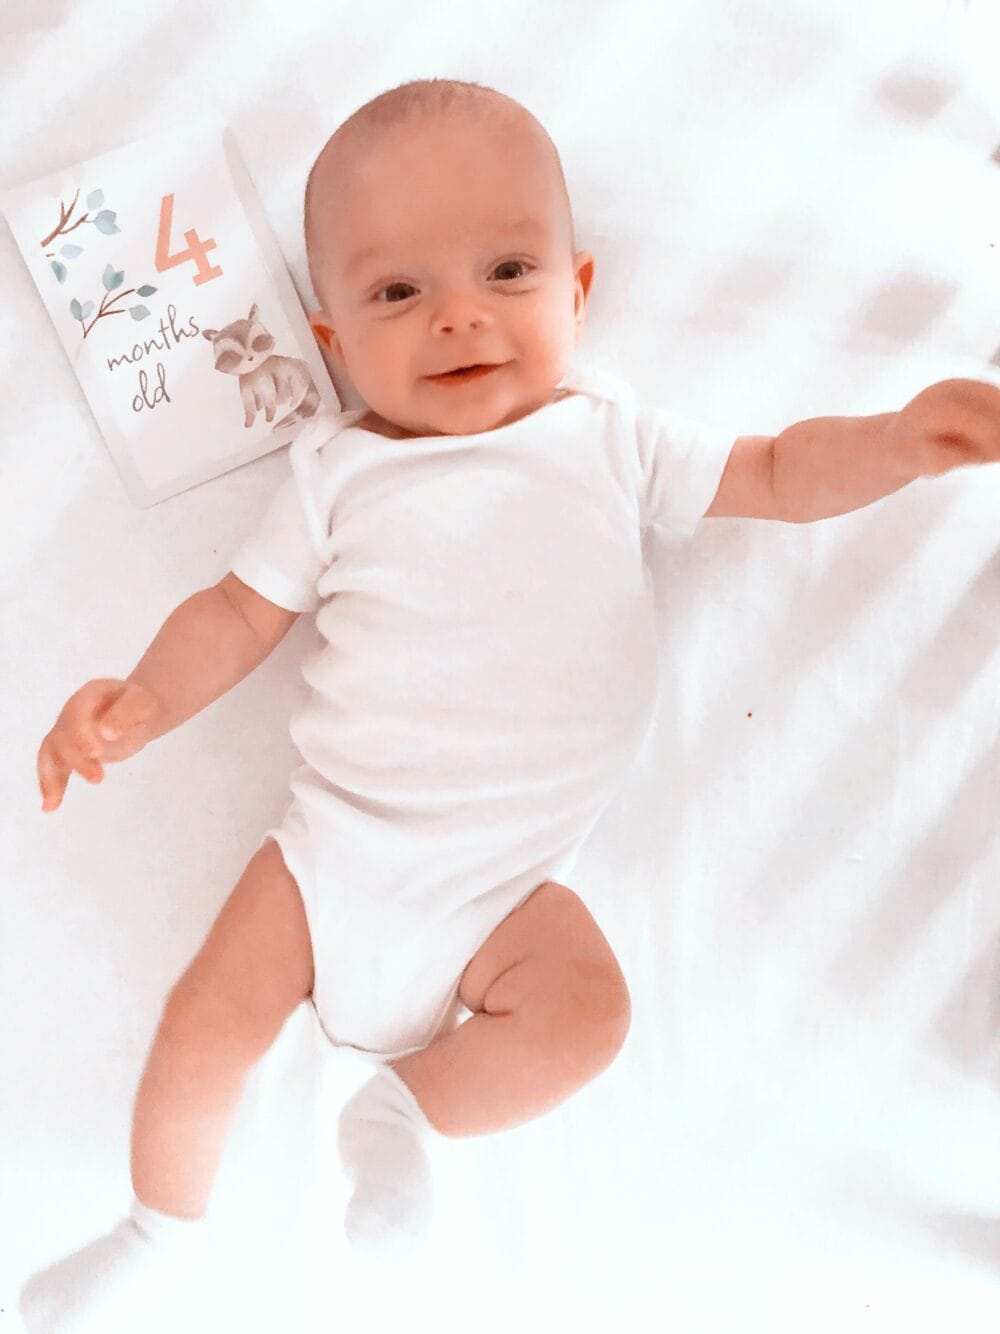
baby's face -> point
(450, 247)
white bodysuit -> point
(487, 675)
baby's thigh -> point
(550, 949)
(256, 965)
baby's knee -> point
(579, 1010)
(598, 997)
(549, 963)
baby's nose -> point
(449, 326)
(459, 312)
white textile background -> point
(795, 212)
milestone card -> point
(165, 284)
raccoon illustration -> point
(267, 381)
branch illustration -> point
(64, 214)
(112, 279)
(104, 221)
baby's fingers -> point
(54, 769)
(53, 775)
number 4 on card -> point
(196, 251)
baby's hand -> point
(105, 720)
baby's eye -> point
(512, 263)
(408, 287)
(395, 287)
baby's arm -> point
(206, 646)
(826, 466)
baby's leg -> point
(253, 970)
(550, 1012)
(225, 1012)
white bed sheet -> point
(794, 212)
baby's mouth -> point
(461, 373)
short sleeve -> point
(682, 461)
(279, 558)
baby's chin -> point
(398, 431)
(415, 429)
(461, 415)
(372, 421)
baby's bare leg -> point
(228, 1007)
(550, 1012)
(253, 970)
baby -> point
(471, 543)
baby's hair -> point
(418, 98)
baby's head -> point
(439, 235)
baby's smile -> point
(466, 374)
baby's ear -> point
(323, 331)
(333, 353)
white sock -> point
(381, 1128)
(108, 1284)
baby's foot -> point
(381, 1127)
(106, 1286)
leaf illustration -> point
(138, 312)
(59, 270)
(146, 290)
(87, 309)
(74, 306)
(95, 199)
(105, 222)
(71, 251)
(111, 279)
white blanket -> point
(793, 208)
